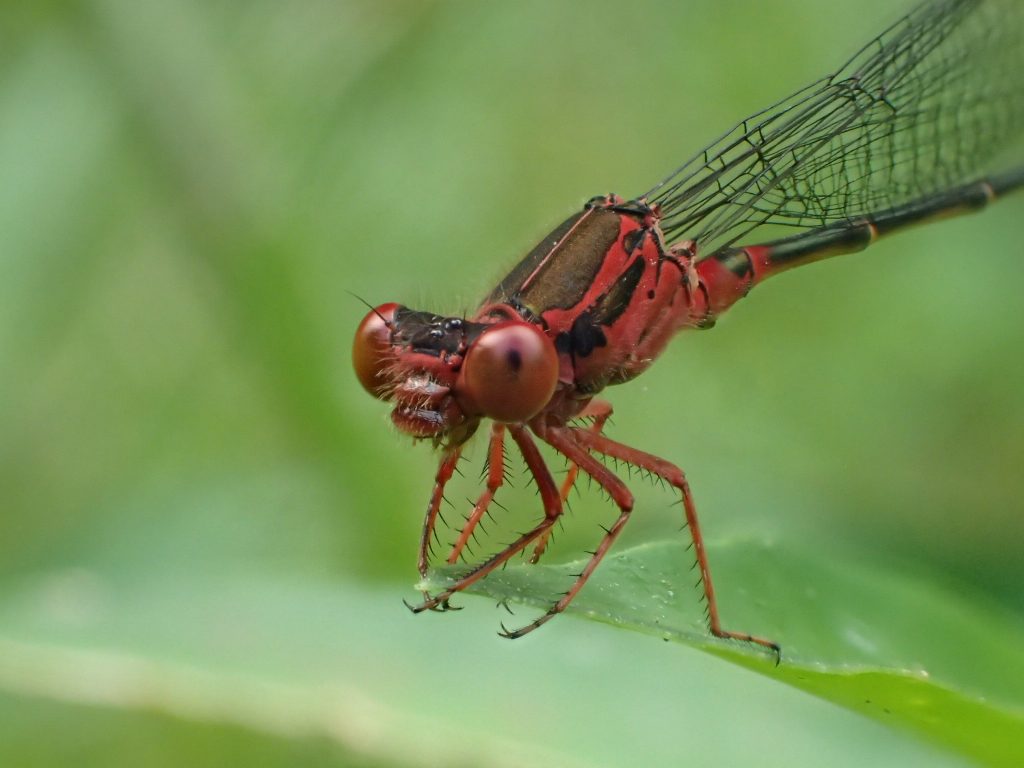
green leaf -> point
(901, 649)
(297, 663)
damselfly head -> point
(444, 374)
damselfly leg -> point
(552, 510)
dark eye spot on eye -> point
(515, 360)
(650, 294)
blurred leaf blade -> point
(932, 661)
(297, 658)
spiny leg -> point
(552, 510)
(563, 440)
(599, 411)
(495, 478)
(445, 470)
(673, 475)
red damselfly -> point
(915, 126)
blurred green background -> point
(206, 526)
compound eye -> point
(372, 355)
(509, 373)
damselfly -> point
(913, 127)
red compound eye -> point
(509, 373)
(371, 350)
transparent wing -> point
(928, 104)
